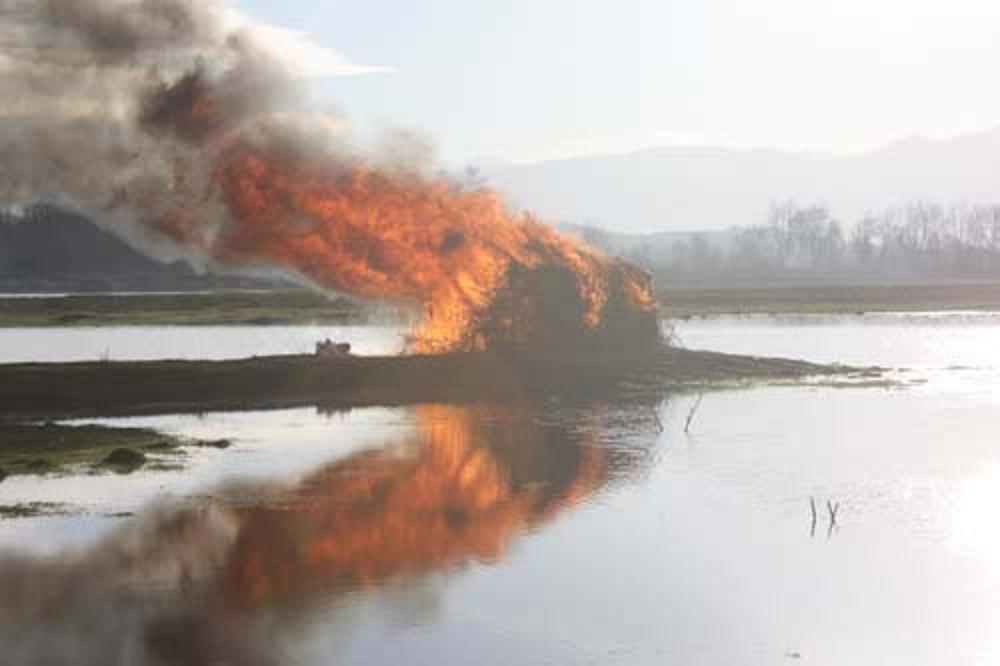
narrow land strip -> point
(61, 390)
(829, 299)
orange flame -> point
(431, 244)
(464, 494)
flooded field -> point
(564, 533)
(140, 343)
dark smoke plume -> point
(178, 126)
(117, 107)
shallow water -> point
(558, 533)
(929, 340)
(134, 343)
(918, 340)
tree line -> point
(917, 241)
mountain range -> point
(647, 200)
(686, 188)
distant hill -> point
(49, 250)
(677, 188)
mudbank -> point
(58, 390)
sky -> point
(531, 80)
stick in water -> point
(694, 408)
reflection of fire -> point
(485, 277)
(197, 585)
(466, 491)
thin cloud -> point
(298, 51)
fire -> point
(465, 492)
(170, 116)
(481, 274)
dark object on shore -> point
(59, 390)
(330, 349)
(125, 458)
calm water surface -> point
(561, 533)
(133, 343)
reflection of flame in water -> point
(185, 586)
(464, 493)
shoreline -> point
(48, 391)
(300, 307)
(689, 302)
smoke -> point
(118, 107)
(176, 123)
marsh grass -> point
(828, 299)
(49, 448)
(223, 308)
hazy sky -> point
(536, 79)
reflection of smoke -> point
(221, 583)
(160, 117)
(107, 605)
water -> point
(132, 343)
(924, 341)
(941, 339)
(561, 533)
